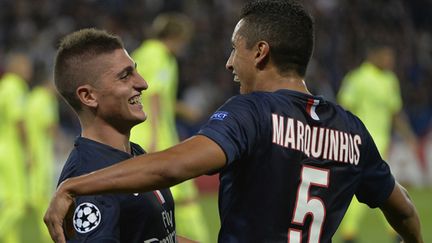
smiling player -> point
(97, 77)
(289, 162)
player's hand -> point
(59, 207)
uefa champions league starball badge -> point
(86, 217)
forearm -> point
(133, 175)
(407, 227)
(403, 217)
(193, 157)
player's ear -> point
(262, 54)
(87, 95)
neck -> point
(273, 81)
(103, 132)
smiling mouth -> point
(236, 79)
(136, 100)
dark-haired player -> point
(97, 77)
(289, 162)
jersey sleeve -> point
(377, 181)
(95, 219)
(234, 127)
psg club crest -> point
(86, 217)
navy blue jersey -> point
(127, 218)
(294, 162)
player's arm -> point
(194, 157)
(402, 215)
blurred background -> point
(30, 31)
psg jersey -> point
(121, 218)
(294, 162)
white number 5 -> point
(306, 204)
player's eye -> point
(125, 75)
(233, 49)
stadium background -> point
(34, 27)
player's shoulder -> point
(254, 98)
(70, 167)
(266, 102)
(350, 118)
(77, 162)
(253, 104)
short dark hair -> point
(74, 53)
(286, 26)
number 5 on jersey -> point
(306, 204)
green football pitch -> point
(372, 226)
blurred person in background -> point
(14, 153)
(41, 125)
(157, 63)
(372, 92)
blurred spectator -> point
(372, 92)
(13, 147)
(156, 59)
(41, 126)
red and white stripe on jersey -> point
(159, 196)
(310, 108)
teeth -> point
(135, 100)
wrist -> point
(66, 188)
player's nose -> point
(228, 65)
(140, 83)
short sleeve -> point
(95, 219)
(234, 127)
(377, 181)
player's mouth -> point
(135, 100)
(236, 78)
